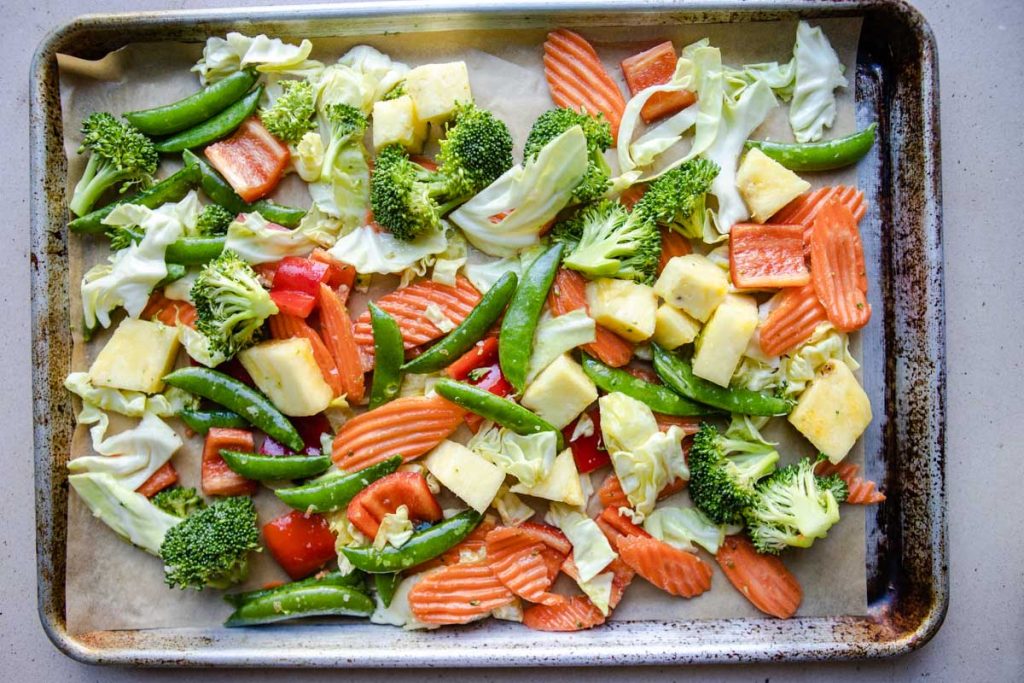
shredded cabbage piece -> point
(682, 527)
(369, 251)
(130, 456)
(257, 240)
(529, 458)
(818, 74)
(556, 335)
(224, 56)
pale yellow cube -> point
(625, 307)
(673, 328)
(469, 476)
(561, 392)
(287, 372)
(725, 338)
(437, 89)
(766, 185)
(694, 284)
(833, 411)
(395, 122)
(562, 484)
(137, 357)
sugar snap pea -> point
(214, 128)
(175, 271)
(221, 192)
(196, 108)
(389, 353)
(819, 156)
(275, 467)
(386, 585)
(422, 546)
(495, 408)
(515, 341)
(335, 489)
(355, 579)
(201, 421)
(293, 602)
(171, 189)
(188, 251)
(657, 397)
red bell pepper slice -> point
(338, 274)
(293, 303)
(310, 429)
(165, 476)
(367, 509)
(251, 160)
(300, 543)
(588, 451)
(656, 67)
(219, 479)
(483, 354)
(767, 256)
(297, 274)
(490, 379)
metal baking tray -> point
(897, 84)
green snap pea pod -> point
(515, 341)
(677, 373)
(386, 585)
(188, 251)
(275, 467)
(214, 128)
(422, 546)
(389, 354)
(239, 398)
(469, 331)
(335, 489)
(171, 189)
(201, 421)
(657, 397)
(175, 271)
(289, 602)
(194, 109)
(495, 408)
(355, 579)
(221, 192)
(819, 156)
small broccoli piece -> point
(231, 304)
(347, 125)
(722, 485)
(598, 132)
(291, 115)
(122, 237)
(178, 501)
(676, 199)
(120, 155)
(792, 507)
(213, 221)
(402, 194)
(211, 547)
(476, 151)
(395, 92)
(607, 240)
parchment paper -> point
(111, 585)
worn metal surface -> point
(905, 372)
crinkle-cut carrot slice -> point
(408, 306)
(837, 267)
(611, 494)
(550, 536)
(761, 579)
(408, 426)
(287, 326)
(767, 256)
(672, 244)
(568, 293)
(803, 209)
(518, 562)
(673, 570)
(458, 594)
(656, 66)
(616, 526)
(475, 544)
(575, 614)
(163, 477)
(340, 341)
(861, 491)
(578, 79)
(169, 311)
(793, 321)
(622, 576)
(689, 425)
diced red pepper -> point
(656, 67)
(384, 496)
(251, 160)
(309, 428)
(165, 476)
(588, 451)
(767, 256)
(218, 478)
(489, 379)
(300, 543)
(338, 274)
(297, 274)
(424, 161)
(483, 354)
(296, 304)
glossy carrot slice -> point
(288, 326)
(861, 491)
(793, 321)
(163, 477)
(474, 543)
(341, 343)
(458, 594)
(169, 311)
(767, 256)
(761, 579)
(578, 79)
(251, 160)
(672, 244)
(408, 426)
(622, 576)
(611, 494)
(803, 209)
(837, 267)
(383, 497)
(568, 293)
(616, 526)
(575, 614)
(217, 478)
(656, 67)
(689, 425)
(518, 562)
(550, 536)
(632, 194)
(670, 569)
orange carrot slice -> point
(616, 526)
(767, 256)
(761, 579)
(217, 478)
(578, 79)
(518, 562)
(568, 293)
(169, 311)
(575, 614)
(656, 67)
(163, 477)
(458, 594)
(632, 194)
(803, 209)
(672, 244)
(622, 576)
(837, 267)
(408, 426)
(861, 491)
(288, 326)
(689, 425)
(340, 341)
(612, 496)
(793, 321)
(672, 570)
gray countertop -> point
(981, 52)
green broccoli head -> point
(395, 92)
(211, 547)
(402, 194)
(598, 132)
(476, 150)
(792, 507)
(606, 240)
(178, 501)
(346, 127)
(722, 486)
(676, 199)
(120, 155)
(213, 221)
(291, 115)
(231, 304)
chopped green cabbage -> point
(128, 403)
(590, 548)
(529, 458)
(256, 240)
(556, 335)
(224, 56)
(130, 456)
(484, 275)
(369, 251)
(395, 529)
(682, 527)
(129, 514)
(511, 508)
(790, 374)
(818, 74)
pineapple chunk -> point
(561, 392)
(466, 474)
(725, 338)
(137, 357)
(833, 411)
(694, 284)
(395, 122)
(673, 328)
(766, 185)
(625, 307)
(562, 484)
(286, 371)
(436, 89)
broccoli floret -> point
(722, 485)
(395, 92)
(347, 125)
(211, 547)
(213, 221)
(178, 501)
(476, 150)
(792, 507)
(402, 194)
(231, 304)
(291, 115)
(120, 155)
(607, 240)
(122, 237)
(598, 132)
(676, 199)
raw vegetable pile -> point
(633, 298)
